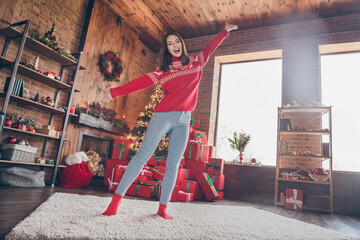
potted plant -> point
(31, 125)
(239, 142)
(12, 120)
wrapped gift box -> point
(157, 174)
(156, 162)
(156, 185)
(116, 175)
(141, 189)
(195, 168)
(174, 195)
(219, 183)
(212, 152)
(198, 136)
(207, 186)
(190, 186)
(197, 151)
(294, 199)
(215, 166)
(120, 149)
(110, 164)
(146, 173)
(185, 196)
(195, 122)
(182, 175)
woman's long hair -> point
(165, 56)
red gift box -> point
(198, 136)
(157, 174)
(156, 162)
(110, 164)
(120, 149)
(182, 175)
(219, 183)
(191, 187)
(197, 151)
(174, 195)
(215, 166)
(117, 173)
(156, 185)
(182, 161)
(207, 186)
(185, 196)
(195, 122)
(212, 152)
(294, 199)
(141, 189)
(195, 168)
(146, 173)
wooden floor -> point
(17, 203)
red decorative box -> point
(215, 166)
(156, 185)
(195, 122)
(110, 164)
(212, 152)
(157, 174)
(182, 175)
(219, 183)
(117, 173)
(141, 189)
(185, 196)
(146, 173)
(207, 186)
(294, 199)
(195, 168)
(198, 136)
(156, 162)
(190, 186)
(197, 151)
(120, 149)
(174, 195)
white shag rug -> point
(73, 216)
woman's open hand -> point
(228, 27)
(107, 98)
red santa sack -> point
(76, 176)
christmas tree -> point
(138, 132)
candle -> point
(124, 117)
(72, 109)
(87, 107)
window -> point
(250, 94)
(340, 80)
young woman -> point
(179, 76)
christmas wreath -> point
(117, 63)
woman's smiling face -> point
(174, 45)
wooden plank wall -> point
(104, 35)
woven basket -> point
(319, 178)
(19, 153)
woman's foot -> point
(162, 212)
(113, 206)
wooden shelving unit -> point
(26, 42)
(308, 186)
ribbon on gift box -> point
(293, 200)
(192, 120)
(201, 148)
(111, 183)
(154, 169)
(139, 183)
(200, 135)
(207, 178)
(122, 150)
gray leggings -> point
(176, 123)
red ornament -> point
(12, 139)
(253, 160)
(48, 99)
(8, 123)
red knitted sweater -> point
(180, 83)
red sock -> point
(113, 206)
(162, 212)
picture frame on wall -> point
(283, 147)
